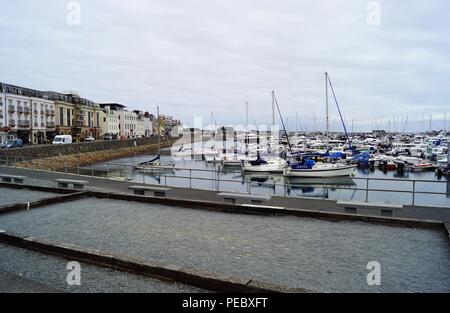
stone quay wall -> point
(49, 151)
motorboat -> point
(423, 166)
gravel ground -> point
(12, 196)
(27, 271)
(297, 252)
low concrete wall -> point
(40, 203)
(47, 151)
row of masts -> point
(402, 127)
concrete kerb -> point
(447, 229)
(39, 203)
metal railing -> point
(168, 176)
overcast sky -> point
(192, 57)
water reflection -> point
(317, 187)
(448, 187)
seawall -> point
(48, 151)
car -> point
(107, 137)
(62, 140)
(89, 139)
(13, 143)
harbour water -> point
(394, 187)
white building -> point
(148, 126)
(109, 121)
(26, 114)
(127, 124)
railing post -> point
(190, 178)
(143, 176)
(367, 190)
(324, 191)
(92, 169)
(414, 193)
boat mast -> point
(246, 129)
(272, 130)
(273, 110)
(327, 111)
(159, 130)
(246, 114)
(445, 122)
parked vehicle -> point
(62, 140)
(89, 139)
(13, 143)
(110, 137)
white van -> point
(62, 140)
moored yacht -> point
(272, 165)
(312, 169)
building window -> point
(61, 116)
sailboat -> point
(309, 168)
(272, 164)
(236, 159)
(155, 165)
(319, 170)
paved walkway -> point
(12, 283)
(45, 178)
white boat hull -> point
(335, 171)
(276, 166)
